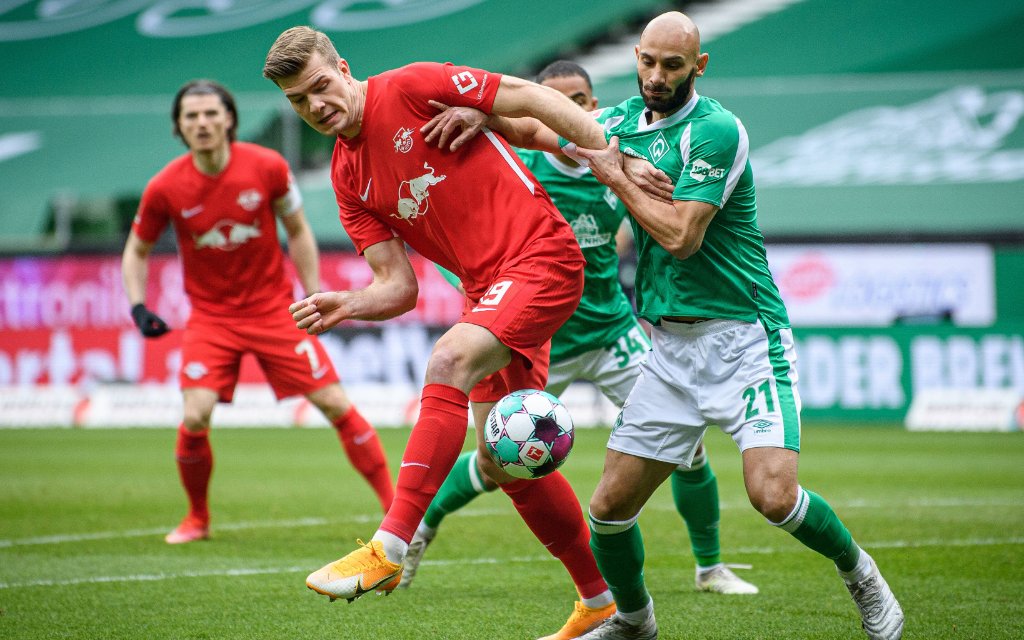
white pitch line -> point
(142, 533)
(217, 573)
(938, 503)
(231, 526)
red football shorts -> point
(212, 348)
(524, 306)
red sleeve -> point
(451, 84)
(362, 227)
(278, 175)
(152, 216)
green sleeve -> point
(449, 276)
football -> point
(529, 433)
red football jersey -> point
(475, 211)
(226, 228)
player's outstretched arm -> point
(302, 250)
(134, 270)
(678, 226)
(556, 113)
(392, 292)
(461, 124)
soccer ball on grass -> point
(529, 433)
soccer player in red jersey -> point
(478, 213)
(224, 199)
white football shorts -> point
(613, 369)
(729, 373)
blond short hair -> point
(292, 50)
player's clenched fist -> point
(319, 312)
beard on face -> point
(671, 102)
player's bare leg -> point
(770, 475)
(195, 464)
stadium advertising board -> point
(877, 285)
(874, 373)
(64, 322)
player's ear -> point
(343, 67)
(702, 64)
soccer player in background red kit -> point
(223, 199)
(480, 214)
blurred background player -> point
(223, 199)
(478, 213)
(604, 318)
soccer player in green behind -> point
(722, 345)
(602, 343)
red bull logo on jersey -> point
(414, 195)
(250, 199)
(227, 235)
(403, 140)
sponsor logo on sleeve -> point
(701, 170)
(465, 82)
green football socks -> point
(460, 487)
(619, 550)
(816, 525)
(695, 491)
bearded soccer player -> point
(224, 199)
(605, 320)
(723, 349)
(478, 213)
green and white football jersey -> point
(594, 213)
(703, 149)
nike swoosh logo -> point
(360, 589)
(321, 372)
(360, 439)
(188, 213)
(366, 194)
(414, 464)
(475, 309)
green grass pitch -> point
(83, 513)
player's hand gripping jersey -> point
(476, 211)
(226, 229)
(703, 148)
(595, 214)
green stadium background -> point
(872, 122)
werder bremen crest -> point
(658, 148)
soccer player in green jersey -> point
(603, 319)
(722, 345)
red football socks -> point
(195, 465)
(364, 451)
(550, 508)
(434, 445)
